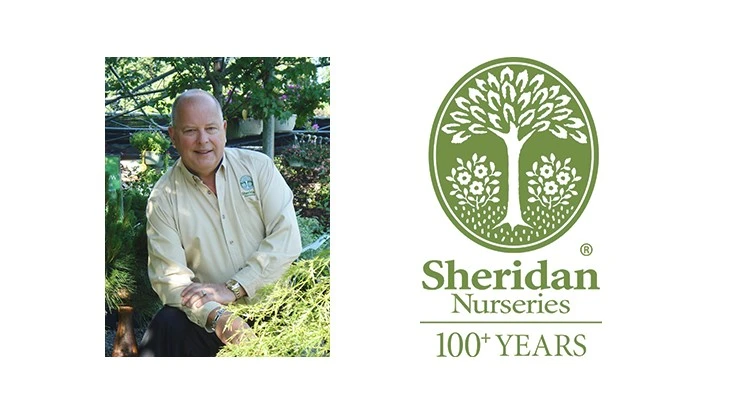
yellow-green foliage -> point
(292, 316)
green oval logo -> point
(513, 155)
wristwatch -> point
(211, 328)
(235, 287)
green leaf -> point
(526, 118)
(475, 95)
(459, 117)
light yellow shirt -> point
(247, 232)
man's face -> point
(199, 134)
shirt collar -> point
(220, 169)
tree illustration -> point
(513, 108)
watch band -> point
(213, 325)
(235, 287)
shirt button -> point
(209, 192)
(223, 217)
(231, 242)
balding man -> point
(221, 225)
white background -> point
(657, 78)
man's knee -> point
(170, 333)
(170, 319)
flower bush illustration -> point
(474, 182)
(553, 183)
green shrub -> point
(290, 317)
(126, 252)
(306, 168)
(123, 265)
(153, 141)
(309, 228)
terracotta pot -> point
(125, 344)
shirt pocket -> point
(250, 223)
(251, 209)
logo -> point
(246, 183)
(513, 155)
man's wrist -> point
(212, 325)
(235, 287)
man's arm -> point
(167, 268)
(282, 244)
(228, 327)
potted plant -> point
(239, 127)
(303, 97)
(126, 271)
(121, 268)
(285, 125)
(152, 145)
(254, 106)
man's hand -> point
(197, 294)
(232, 329)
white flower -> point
(476, 188)
(563, 177)
(546, 171)
(550, 188)
(481, 171)
(463, 178)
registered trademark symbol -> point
(586, 249)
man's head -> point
(198, 131)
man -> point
(221, 224)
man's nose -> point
(202, 136)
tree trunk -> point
(269, 124)
(513, 208)
(125, 343)
(268, 136)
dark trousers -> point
(172, 334)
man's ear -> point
(171, 136)
(224, 128)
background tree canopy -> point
(247, 87)
(139, 93)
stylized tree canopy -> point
(513, 106)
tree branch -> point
(157, 78)
(125, 88)
(526, 137)
(112, 100)
(497, 133)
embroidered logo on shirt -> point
(246, 184)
